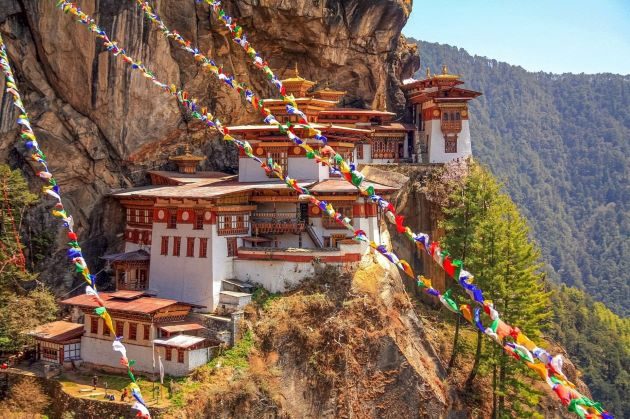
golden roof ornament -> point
(187, 162)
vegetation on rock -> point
(23, 303)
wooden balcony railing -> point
(233, 231)
(451, 126)
(279, 216)
(285, 226)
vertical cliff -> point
(102, 125)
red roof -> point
(142, 305)
(59, 331)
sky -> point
(557, 36)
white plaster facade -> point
(280, 275)
(436, 150)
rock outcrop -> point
(103, 125)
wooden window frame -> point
(190, 247)
(177, 246)
(199, 218)
(94, 325)
(106, 331)
(346, 209)
(133, 331)
(280, 156)
(168, 354)
(171, 221)
(146, 332)
(164, 246)
(203, 247)
(232, 247)
(180, 356)
(232, 223)
(450, 144)
(119, 332)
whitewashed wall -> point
(182, 278)
(436, 142)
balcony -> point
(451, 126)
(278, 227)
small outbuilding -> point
(58, 342)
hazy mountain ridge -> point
(560, 143)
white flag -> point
(144, 412)
(161, 370)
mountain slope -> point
(560, 143)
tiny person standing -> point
(94, 381)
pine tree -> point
(520, 296)
(484, 229)
(467, 211)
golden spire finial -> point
(297, 73)
(186, 149)
(444, 69)
(428, 72)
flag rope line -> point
(53, 190)
(453, 268)
(519, 351)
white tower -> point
(439, 108)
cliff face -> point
(102, 125)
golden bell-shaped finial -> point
(428, 73)
(444, 69)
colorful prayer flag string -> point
(453, 268)
(52, 189)
(272, 167)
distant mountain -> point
(561, 145)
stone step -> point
(231, 301)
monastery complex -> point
(196, 243)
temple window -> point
(164, 248)
(231, 247)
(133, 331)
(120, 327)
(146, 216)
(94, 325)
(458, 116)
(168, 354)
(445, 116)
(177, 245)
(147, 332)
(190, 247)
(180, 356)
(359, 151)
(172, 219)
(233, 224)
(344, 209)
(450, 144)
(279, 156)
(199, 220)
(203, 247)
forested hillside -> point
(560, 143)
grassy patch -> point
(262, 298)
(236, 357)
